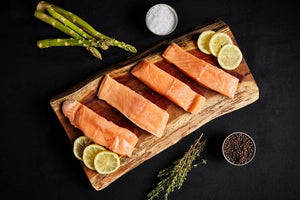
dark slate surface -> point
(36, 156)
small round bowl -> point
(254, 146)
(172, 11)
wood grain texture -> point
(180, 123)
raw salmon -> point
(135, 107)
(202, 72)
(168, 86)
(98, 129)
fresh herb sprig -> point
(173, 176)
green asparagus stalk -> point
(44, 6)
(87, 27)
(58, 25)
(67, 42)
(66, 22)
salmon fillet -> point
(98, 129)
(135, 107)
(202, 72)
(168, 86)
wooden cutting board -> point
(180, 122)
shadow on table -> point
(213, 149)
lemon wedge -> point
(106, 162)
(89, 154)
(230, 57)
(79, 144)
(203, 41)
(217, 41)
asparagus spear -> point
(87, 27)
(43, 5)
(56, 24)
(51, 11)
(66, 22)
(67, 42)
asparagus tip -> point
(43, 5)
(95, 52)
(40, 44)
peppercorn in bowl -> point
(238, 148)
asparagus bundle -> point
(82, 33)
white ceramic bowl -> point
(172, 28)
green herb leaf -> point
(173, 176)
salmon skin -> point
(135, 107)
(168, 86)
(117, 139)
(202, 72)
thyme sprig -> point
(173, 176)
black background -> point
(36, 155)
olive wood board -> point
(180, 123)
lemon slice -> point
(89, 154)
(203, 41)
(79, 144)
(217, 41)
(106, 162)
(230, 57)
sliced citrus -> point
(203, 41)
(89, 154)
(79, 144)
(106, 162)
(217, 41)
(230, 57)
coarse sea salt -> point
(161, 19)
